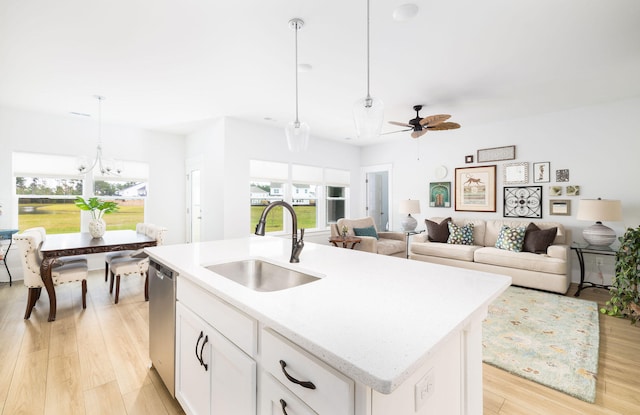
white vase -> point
(97, 227)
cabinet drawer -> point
(333, 393)
(228, 320)
(275, 399)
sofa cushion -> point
(537, 240)
(438, 232)
(520, 260)
(459, 252)
(460, 235)
(368, 231)
(390, 246)
(510, 238)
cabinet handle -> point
(197, 343)
(284, 405)
(304, 384)
(206, 366)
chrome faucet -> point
(296, 244)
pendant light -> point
(368, 112)
(297, 132)
(104, 166)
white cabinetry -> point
(213, 375)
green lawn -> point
(306, 217)
(65, 218)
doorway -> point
(377, 195)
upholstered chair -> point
(140, 228)
(384, 243)
(136, 264)
(29, 245)
(63, 260)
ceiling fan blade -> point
(434, 119)
(417, 134)
(401, 124)
(399, 131)
(445, 126)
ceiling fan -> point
(420, 126)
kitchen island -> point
(394, 336)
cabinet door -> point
(193, 379)
(275, 399)
(233, 382)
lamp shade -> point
(297, 136)
(368, 114)
(409, 206)
(599, 210)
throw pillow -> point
(511, 239)
(438, 232)
(537, 240)
(460, 235)
(368, 231)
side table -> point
(408, 235)
(353, 240)
(581, 250)
(6, 234)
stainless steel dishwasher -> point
(162, 322)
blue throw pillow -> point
(460, 235)
(511, 239)
(368, 231)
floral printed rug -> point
(547, 338)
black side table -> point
(6, 234)
(581, 250)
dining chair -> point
(63, 260)
(140, 228)
(29, 244)
(137, 263)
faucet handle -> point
(301, 234)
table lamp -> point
(599, 210)
(409, 223)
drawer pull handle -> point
(304, 384)
(206, 366)
(284, 405)
(197, 343)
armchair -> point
(387, 243)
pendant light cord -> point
(368, 101)
(296, 54)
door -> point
(194, 212)
(377, 202)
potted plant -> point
(98, 208)
(625, 299)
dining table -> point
(82, 243)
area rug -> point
(547, 338)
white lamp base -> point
(599, 235)
(409, 223)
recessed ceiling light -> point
(405, 12)
(269, 119)
(79, 113)
(304, 67)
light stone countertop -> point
(372, 317)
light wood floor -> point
(96, 361)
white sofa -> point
(550, 271)
(388, 243)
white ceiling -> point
(166, 65)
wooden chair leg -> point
(146, 286)
(31, 302)
(106, 270)
(37, 294)
(84, 293)
(111, 283)
(117, 287)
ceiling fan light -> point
(368, 115)
(297, 136)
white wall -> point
(231, 143)
(72, 135)
(599, 145)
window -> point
(130, 197)
(306, 188)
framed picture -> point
(562, 175)
(440, 194)
(468, 159)
(541, 172)
(573, 190)
(555, 190)
(496, 154)
(523, 202)
(516, 173)
(475, 189)
(560, 207)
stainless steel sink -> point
(260, 275)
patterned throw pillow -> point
(460, 235)
(511, 239)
